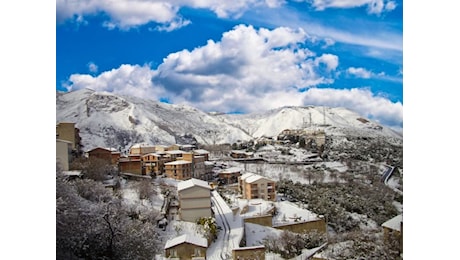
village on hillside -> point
(206, 206)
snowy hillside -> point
(109, 120)
(334, 121)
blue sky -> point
(237, 56)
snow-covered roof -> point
(151, 154)
(200, 151)
(192, 182)
(104, 148)
(231, 170)
(178, 162)
(141, 145)
(186, 238)
(175, 152)
(252, 177)
(394, 223)
(246, 175)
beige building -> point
(186, 247)
(154, 163)
(198, 166)
(179, 170)
(202, 152)
(230, 175)
(175, 154)
(194, 199)
(254, 186)
(67, 131)
(141, 149)
(393, 229)
(63, 154)
(130, 164)
(100, 153)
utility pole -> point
(324, 115)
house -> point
(161, 148)
(141, 149)
(254, 186)
(154, 163)
(198, 166)
(194, 199)
(130, 164)
(174, 154)
(187, 147)
(179, 170)
(67, 131)
(202, 152)
(230, 175)
(186, 247)
(63, 154)
(241, 154)
(173, 147)
(100, 153)
(115, 155)
(393, 229)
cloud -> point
(246, 62)
(359, 72)
(126, 14)
(173, 25)
(247, 70)
(373, 6)
(360, 100)
(92, 67)
(133, 80)
(367, 74)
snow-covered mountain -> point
(109, 120)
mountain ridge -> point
(119, 121)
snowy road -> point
(231, 233)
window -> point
(197, 252)
(172, 252)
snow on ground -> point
(255, 234)
(296, 173)
(290, 213)
(220, 207)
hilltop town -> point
(268, 198)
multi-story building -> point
(154, 163)
(100, 153)
(254, 186)
(174, 154)
(186, 247)
(201, 152)
(194, 199)
(130, 164)
(179, 170)
(141, 149)
(107, 154)
(198, 166)
(230, 175)
(63, 154)
(67, 131)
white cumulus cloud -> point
(360, 100)
(125, 14)
(133, 80)
(247, 70)
(373, 6)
